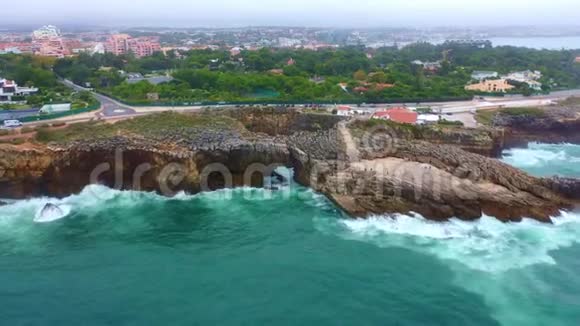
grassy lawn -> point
(15, 107)
(531, 112)
(485, 117)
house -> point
(153, 96)
(276, 71)
(528, 77)
(291, 62)
(55, 108)
(361, 89)
(428, 66)
(235, 51)
(577, 60)
(399, 115)
(482, 75)
(344, 111)
(9, 89)
(424, 119)
(537, 86)
(154, 80)
(214, 64)
(381, 86)
(524, 76)
(491, 86)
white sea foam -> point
(546, 159)
(485, 245)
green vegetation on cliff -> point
(149, 126)
(485, 117)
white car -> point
(12, 124)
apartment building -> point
(120, 44)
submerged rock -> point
(50, 212)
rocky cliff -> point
(364, 172)
(554, 124)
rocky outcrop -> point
(552, 125)
(442, 181)
(567, 187)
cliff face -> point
(363, 174)
(552, 124)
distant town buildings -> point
(120, 44)
(47, 41)
(9, 91)
(491, 86)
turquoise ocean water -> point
(251, 257)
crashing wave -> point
(486, 245)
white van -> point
(12, 123)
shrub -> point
(44, 135)
(18, 141)
(59, 124)
(4, 132)
(450, 123)
(26, 130)
(532, 112)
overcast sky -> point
(330, 13)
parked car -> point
(12, 124)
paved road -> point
(110, 107)
(17, 114)
(113, 108)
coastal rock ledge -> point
(361, 175)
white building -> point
(9, 89)
(344, 111)
(481, 75)
(46, 32)
(528, 77)
(55, 108)
(285, 42)
(424, 119)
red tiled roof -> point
(400, 115)
(382, 86)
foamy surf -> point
(545, 159)
(485, 245)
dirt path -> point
(352, 152)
